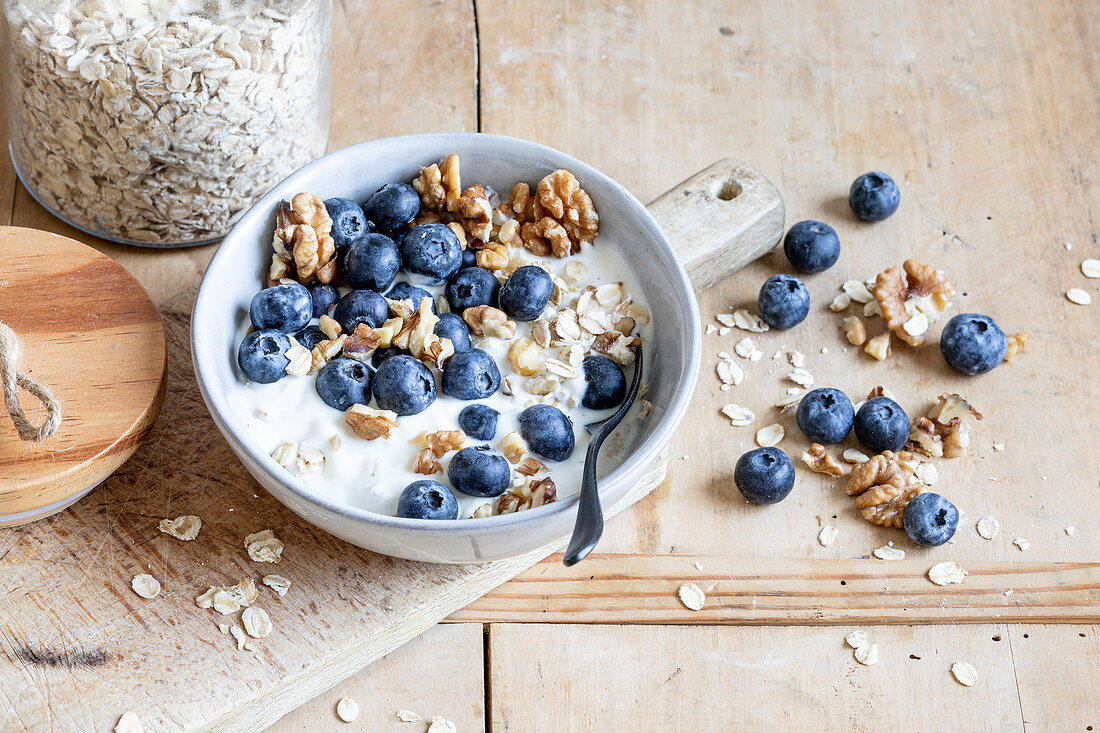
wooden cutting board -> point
(78, 647)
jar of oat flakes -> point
(157, 122)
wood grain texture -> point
(1056, 675)
(639, 589)
(89, 332)
(660, 678)
(439, 672)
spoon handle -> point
(589, 526)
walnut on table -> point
(883, 487)
(911, 298)
(304, 248)
(945, 430)
(819, 461)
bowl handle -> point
(720, 219)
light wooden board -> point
(439, 672)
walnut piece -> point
(821, 462)
(368, 423)
(439, 185)
(883, 487)
(442, 442)
(485, 320)
(364, 340)
(558, 219)
(513, 447)
(475, 213)
(425, 463)
(855, 331)
(526, 358)
(912, 300)
(1016, 344)
(951, 417)
(531, 494)
(879, 347)
(529, 466)
(493, 257)
(304, 248)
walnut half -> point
(304, 248)
(368, 423)
(883, 487)
(911, 299)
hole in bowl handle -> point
(720, 219)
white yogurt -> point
(371, 474)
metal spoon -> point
(589, 526)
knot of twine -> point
(12, 381)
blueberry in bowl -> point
(764, 475)
(783, 301)
(262, 356)
(404, 386)
(405, 291)
(811, 246)
(874, 196)
(427, 499)
(605, 383)
(479, 471)
(479, 421)
(451, 326)
(344, 382)
(310, 336)
(324, 298)
(348, 222)
(431, 253)
(930, 520)
(526, 292)
(548, 431)
(973, 344)
(825, 415)
(372, 262)
(285, 308)
(392, 206)
(882, 425)
(470, 287)
(361, 306)
(471, 375)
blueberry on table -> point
(372, 262)
(471, 375)
(811, 246)
(930, 520)
(547, 431)
(324, 297)
(431, 253)
(478, 421)
(392, 206)
(348, 222)
(526, 292)
(764, 475)
(344, 382)
(825, 415)
(361, 306)
(310, 336)
(470, 287)
(479, 471)
(452, 327)
(973, 343)
(405, 291)
(874, 196)
(881, 424)
(404, 385)
(427, 499)
(285, 308)
(783, 301)
(605, 384)
(262, 356)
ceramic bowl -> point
(235, 275)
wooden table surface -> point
(986, 115)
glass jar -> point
(157, 122)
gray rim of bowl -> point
(644, 455)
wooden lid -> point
(87, 330)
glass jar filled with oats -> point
(157, 122)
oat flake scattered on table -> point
(771, 435)
(827, 535)
(184, 528)
(867, 655)
(739, 416)
(988, 527)
(856, 639)
(964, 673)
(263, 546)
(145, 585)
(1021, 543)
(1090, 268)
(692, 596)
(407, 716)
(946, 573)
(277, 583)
(889, 552)
(256, 622)
(129, 723)
(441, 725)
(347, 709)
(1078, 296)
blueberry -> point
(380, 355)
(392, 206)
(479, 471)
(471, 375)
(285, 308)
(471, 286)
(431, 253)
(348, 222)
(344, 382)
(525, 294)
(825, 415)
(310, 336)
(405, 291)
(973, 343)
(324, 297)
(427, 499)
(881, 425)
(874, 196)
(404, 385)
(930, 520)
(764, 475)
(261, 356)
(372, 262)
(548, 431)
(478, 421)
(469, 258)
(783, 301)
(605, 385)
(361, 306)
(811, 246)
(452, 327)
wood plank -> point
(630, 678)
(651, 92)
(1056, 675)
(374, 54)
(439, 672)
(640, 589)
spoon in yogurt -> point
(589, 526)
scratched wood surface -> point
(986, 118)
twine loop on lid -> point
(12, 380)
